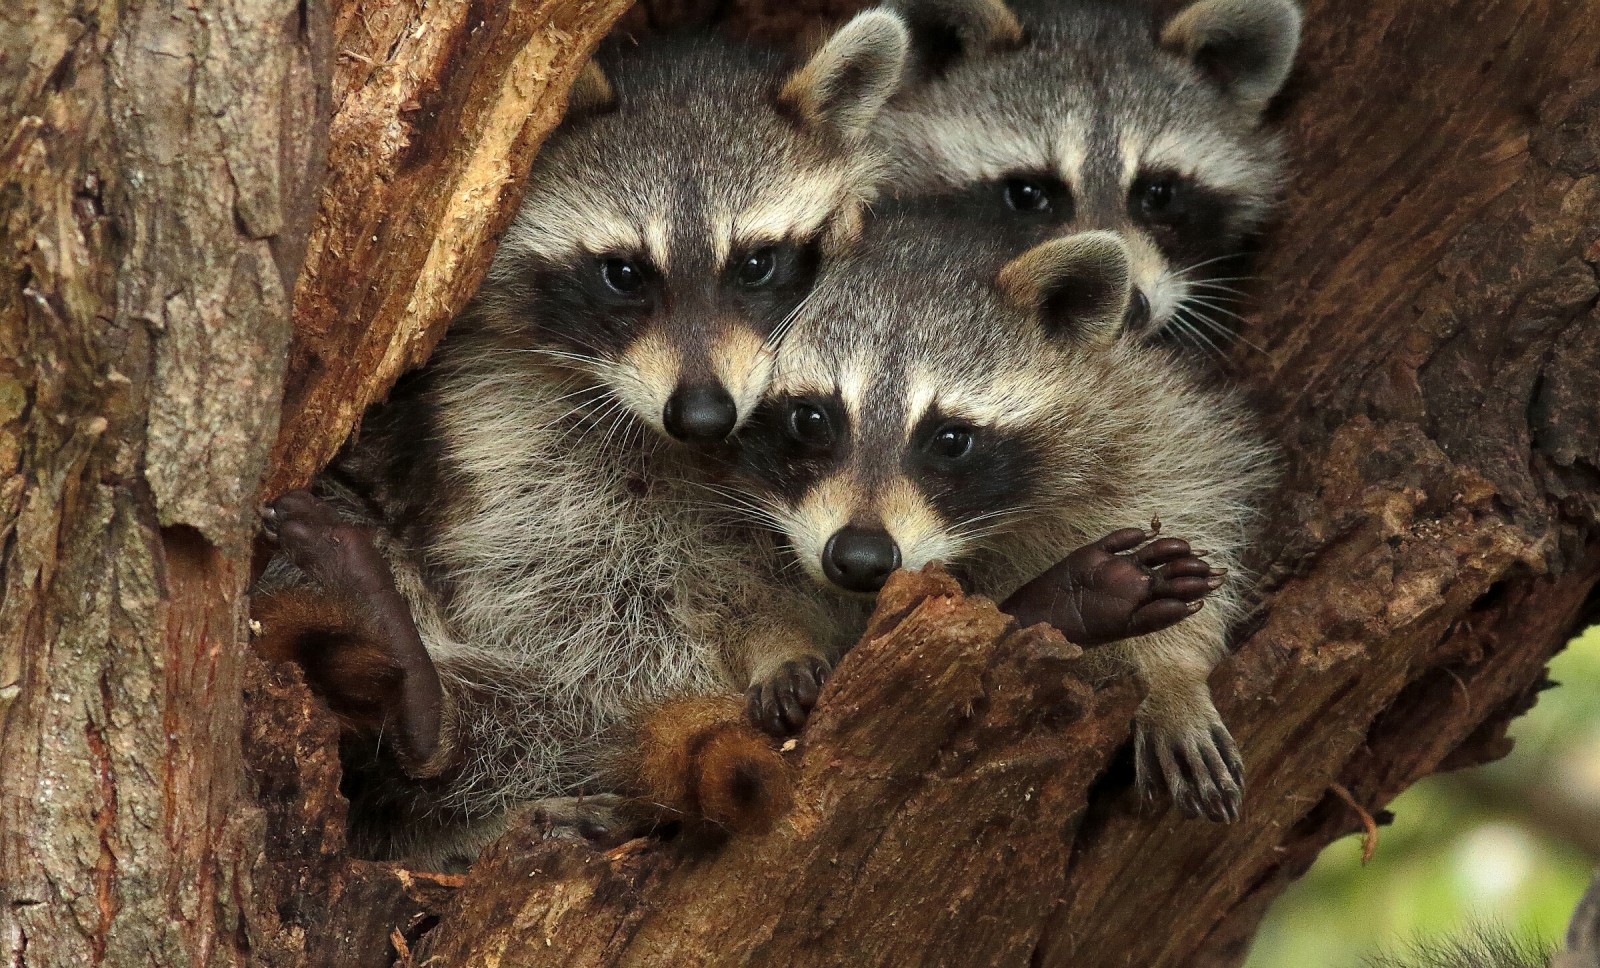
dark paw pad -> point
(1201, 770)
(1127, 584)
(335, 553)
(781, 703)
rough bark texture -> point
(1428, 355)
(440, 108)
(161, 169)
(153, 157)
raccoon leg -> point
(1192, 753)
(787, 671)
(366, 658)
(1127, 584)
(1180, 743)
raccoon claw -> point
(1127, 584)
(781, 703)
(1202, 772)
(295, 507)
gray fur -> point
(1093, 97)
(577, 569)
(567, 566)
(1583, 934)
(1122, 432)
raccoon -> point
(574, 579)
(1486, 948)
(1088, 113)
(940, 400)
(678, 215)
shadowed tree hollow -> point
(229, 229)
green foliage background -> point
(1455, 857)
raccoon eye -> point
(1157, 197)
(758, 268)
(810, 425)
(622, 276)
(1026, 195)
(951, 442)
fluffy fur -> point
(569, 570)
(701, 757)
(1480, 948)
(569, 574)
(1489, 948)
(708, 180)
(1073, 436)
(1098, 114)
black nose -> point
(701, 413)
(860, 559)
(1138, 316)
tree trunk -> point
(1428, 352)
(155, 163)
(160, 169)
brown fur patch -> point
(350, 669)
(702, 758)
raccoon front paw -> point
(1127, 584)
(781, 703)
(1200, 768)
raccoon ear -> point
(943, 31)
(1246, 46)
(843, 86)
(1077, 286)
(591, 93)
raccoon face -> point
(1085, 116)
(890, 449)
(680, 214)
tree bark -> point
(1428, 352)
(154, 159)
(161, 172)
(440, 109)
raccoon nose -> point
(860, 559)
(1138, 315)
(701, 413)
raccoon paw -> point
(781, 703)
(1127, 584)
(1200, 768)
(382, 676)
(604, 820)
(336, 554)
